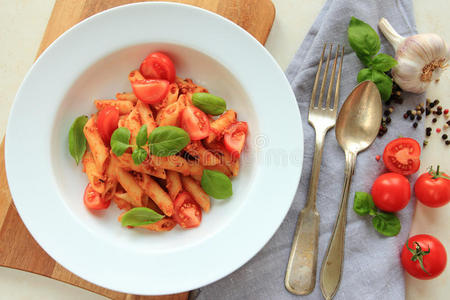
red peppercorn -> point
(377, 158)
(445, 111)
(438, 130)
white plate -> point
(92, 60)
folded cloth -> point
(372, 268)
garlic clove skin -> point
(421, 58)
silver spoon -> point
(357, 127)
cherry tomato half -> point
(427, 249)
(432, 189)
(93, 200)
(187, 213)
(158, 66)
(195, 122)
(107, 121)
(234, 138)
(402, 156)
(391, 192)
(150, 91)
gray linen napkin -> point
(372, 268)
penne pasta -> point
(156, 193)
(146, 116)
(123, 201)
(96, 178)
(172, 97)
(111, 180)
(124, 106)
(220, 168)
(173, 162)
(135, 75)
(219, 125)
(128, 182)
(173, 184)
(205, 157)
(126, 162)
(127, 96)
(133, 123)
(195, 170)
(99, 151)
(196, 192)
(218, 149)
(170, 115)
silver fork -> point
(301, 269)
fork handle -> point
(301, 269)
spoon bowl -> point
(358, 121)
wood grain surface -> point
(18, 249)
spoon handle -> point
(330, 274)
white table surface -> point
(22, 24)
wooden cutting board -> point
(18, 249)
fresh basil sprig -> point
(77, 140)
(163, 141)
(216, 184)
(209, 103)
(385, 223)
(167, 140)
(366, 44)
(140, 216)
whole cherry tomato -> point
(433, 188)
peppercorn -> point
(391, 109)
(439, 107)
(405, 116)
(377, 158)
(418, 112)
(447, 142)
(431, 105)
(428, 129)
(422, 110)
(427, 111)
(444, 137)
(448, 122)
(408, 112)
(445, 111)
(436, 102)
(413, 112)
(411, 117)
(415, 124)
(438, 130)
(439, 112)
(419, 117)
(387, 113)
(425, 143)
(434, 120)
(445, 126)
(388, 120)
(428, 100)
(428, 133)
(398, 93)
(388, 102)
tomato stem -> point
(418, 254)
(437, 174)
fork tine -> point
(338, 81)
(316, 81)
(330, 86)
(324, 79)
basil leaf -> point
(383, 82)
(120, 140)
(77, 140)
(209, 103)
(386, 223)
(363, 204)
(141, 138)
(216, 184)
(383, 62)
(167, 140)
(140, 216)
(363, 40)
(139, 155)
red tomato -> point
(195, 122)
(93, 200)
(187, 212)
(430, 251)
(391, 192)
(150, 91)
(107, 121)
(158, 66)
(433, 188)
(402, 156)
(234, 138)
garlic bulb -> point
(421, 58)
